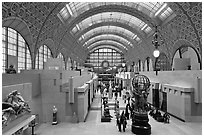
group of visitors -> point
(126, 95)
(121, 119)
(110, 88)
(116, 91)
(106, 116)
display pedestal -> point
(17, 124)
(140, 125)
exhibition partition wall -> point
(52, 87)
(180, 93)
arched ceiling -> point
(118, 34)
(110, 27)
(80, 27)
(106, 46)
(93, 23)
(107, 36)
(124, 42)
(119, 17)
(106, 42)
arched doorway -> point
(186, 58)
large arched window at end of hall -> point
(96, 57)
(15, 50)
(61, 57)
(41, 57)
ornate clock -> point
(105, 64)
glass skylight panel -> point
(107, 42)
(74, 30)
(76, 8)
(137, 39)
(64, 14)
(84, 44)
(151, 6)
(147, 30)
(144, 26)
(79, 7)
(108, 29)
(108, 36)
(160, 9)
(112, 16)
(80, 39)
(166, 13)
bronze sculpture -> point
(140, 125)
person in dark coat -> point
(131, 108)
(118, 122)
(126, 112)
(123, 121)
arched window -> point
(61, 57)
(15, 50)
(74, 65)
(186, 58)
(42, 55)
(140, 65)
(69, 64)
(105, 54)
(147, 65)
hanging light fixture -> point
(156, 43)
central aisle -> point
(94, 126)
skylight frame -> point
(121, 17)
(148, 8)
(108, 42)
(106, 46)
(113, 36)
(117, 29)
(166, 13)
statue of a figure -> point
(14, 104)
(11, 70)
(140, 118)
(18, 102)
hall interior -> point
(94, 126)
(58, 57)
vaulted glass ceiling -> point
(151, 9)
(112, 17)
(112, 33)
(111, 42)
(105, 46)
(109, 36)
(107, 29)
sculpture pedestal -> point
(140, 125)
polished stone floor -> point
(94, 126)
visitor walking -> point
(126, 112)
(123, 121)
